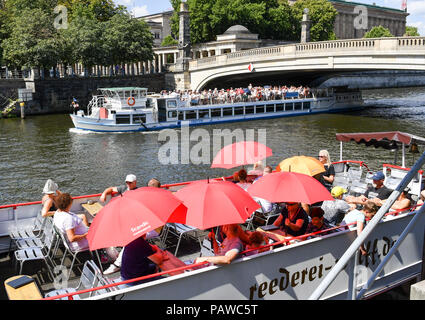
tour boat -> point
(133, 109)
(292, 270)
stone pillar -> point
(160, 62)
(182, 63)
(305, 27)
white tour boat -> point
(133, 109)
(295, 269)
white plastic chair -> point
(181, 230)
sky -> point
(416, 8)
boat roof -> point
(386, 140)
(123, 88)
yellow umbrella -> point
(302, 164)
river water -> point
(41, 147)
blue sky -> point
(416, 8)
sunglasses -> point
(291, 204)
(322, 156)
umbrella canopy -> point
(132, 215)
(218, 203)
(241, 153)
(301, 164)
(289, 187)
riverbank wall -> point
(55, 95)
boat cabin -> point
(124, 98)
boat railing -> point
(96, 102)
(349, 256)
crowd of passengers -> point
(229, 242)
(248, 94)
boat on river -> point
(292, 268)
(133, 109)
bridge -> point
(312, 60)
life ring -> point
(133, 101)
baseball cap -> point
(378, 176)
(337, 191)
(130, 178)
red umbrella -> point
(241, 153)
(136, 212)
(218, 203)
(289, 187)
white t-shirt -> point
(66, 221)
(354, 216)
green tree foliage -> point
(378, 32)
(411, 32)
(169, 41)
(322, 15)
(270, 19)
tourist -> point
(402, 202)
(335, 210)
(329, 175)
(70, 224)
(359, 218)
(48, 201)
(318, 223)
(377, 190)
(257, 169)
(242, 177)
(293, 220)
(422, 198)
(130, 184)
(140, 259)
(154, 183)
(257, 239)
(229, 249)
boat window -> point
(280, 107)
(122, 119)
(259, 109)
(171, 103)
(216, 113)
(289, 106)
(227, 112)
(142, 93)
(190, 114)
(270, 108)
(306, 105)
(181, 116)
(204, 113)
(238, 111)
(139, 118)
(172, 114)
(249, 110)
(298, 106)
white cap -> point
(130, 178)
(50, 187)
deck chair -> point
(342, 181)
(45, 253)
(206, 250)
(182, 230)
(355, 173)
(73, 253)
(24, 243)
(267, 216)
(90, 278)
(358, 187)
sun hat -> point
(378, 176)
(337, 191)
(50, 187)
(130, 178)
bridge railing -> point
(292, 50)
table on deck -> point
(92, 209)
(29, 291)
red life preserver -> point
(133, 101)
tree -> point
(169, 41)
(101, 10)
(411, 32)
(322, 15)
(378, 32)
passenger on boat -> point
(336, 210)
(360, 216)
(422, 198)
(154, 183)
(257, 239)
(402, 202)
(329, 175)
(73, 226)
(318, 223)
(140, 259)
(243, 183)
(257, 169)
(229, 249)
(377, 190)
(293, 220)
(48, 201)
(130, 184)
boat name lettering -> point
(374, 251)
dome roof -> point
(237, 29)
